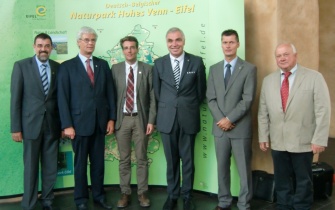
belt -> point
(130, 114)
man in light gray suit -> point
(230, 94)
(136, 115)
(180, 87)
(35, 120)
(294, 114)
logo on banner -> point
(41, 10)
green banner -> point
(148, 20)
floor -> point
(203, 201)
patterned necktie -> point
(130, 91)
(89, 71)
(44, 78)
(227, 76)
(176, 73)
(284, 91)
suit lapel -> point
(123, 78)
(299, 77)
(97, 69)
(139, 75)
(185, 66)
(169, 70)
(238, 68)
(53, 77)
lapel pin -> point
(140, 72)
(96, 66)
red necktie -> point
(284, 91)
(89, 71)
(130, 91)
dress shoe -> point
(188, 204)
(221, 208)
(170, 204)
(124, 201)
(102, 203)
(82, 206)
(144, 200)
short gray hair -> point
(294, 50)
(175, 29)
(86, 30)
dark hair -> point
(130, 39)
(42, 36)
(230, 32)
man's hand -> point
(110, 127)
(264, 146)
(17, 137)
(150, 129)
(317, 149)
(70, 132)
(225, 124)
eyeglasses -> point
(89, 40)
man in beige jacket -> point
(294, 114)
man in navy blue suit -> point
(88, 112)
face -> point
(229, 46)
(87, 44)
(130, 51)
(175, 43)
(42, 48)
(285, 57)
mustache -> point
(43, 52)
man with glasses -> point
(87, 110)
(136, 114)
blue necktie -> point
(227, 76)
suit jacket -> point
(183, 103)
(145, 98)
(82, 105)
(307, 114)
(235, 101)
(28, 103)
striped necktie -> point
(130, 91)
(44, 78)
(176, 73)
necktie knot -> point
(287, 74)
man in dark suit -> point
(87, 109)
(179, 81)
(230, 94)
(35, 118)
(136, 115)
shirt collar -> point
(134, 65)
(83, 58)
(232, 63)
(180, 58)
(293, 70)
(39, 63)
